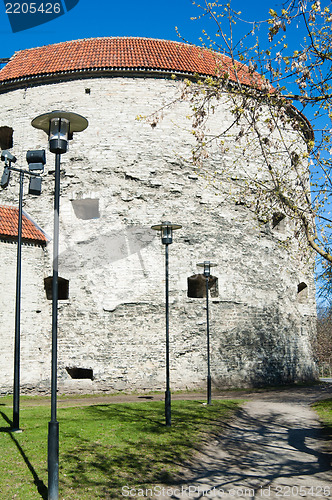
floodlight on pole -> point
(36, 160)
(207, 273)
(59, 126)
(166, 229)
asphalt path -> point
(275, 448)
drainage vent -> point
(80, 373)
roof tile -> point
(120, 53)
(31, 233)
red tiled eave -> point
(140, 54)
(31, 233)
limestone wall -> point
(131, 176)
(35, 311)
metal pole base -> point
(168, 408)
(209, 389)
(16, 421)
(53, 460)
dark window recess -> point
(197, 286)
(86, 209)
(278, 220)
(63, 288)
(88, 91)
(301, 286)
(80, 373)
(6, 137)
(302, 291)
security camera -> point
(6, 156)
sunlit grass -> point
(104, 447)
(324, 410)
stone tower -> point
(119, 177)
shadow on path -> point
(273, 447)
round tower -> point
(121, 176)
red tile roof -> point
(107, 54)
(31, 233)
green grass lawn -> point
(103, 448)
(324, 410)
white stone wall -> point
(35, 334)
(113, 321)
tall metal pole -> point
(208, 342)
(17, 347)
(168, 392)
(53, 425)
(207, 267)
(57, 125)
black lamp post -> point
(35, 182)
(58, 125)
(207, 267)
(167, 229)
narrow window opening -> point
(63, 288)
(278, 221)
(302, 291)
(6, 137)
(80, 373)
(295, 158)
(197, 286)
(88, 91)
(86, 209)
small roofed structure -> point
(31, 233)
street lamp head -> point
(58, 125)
(166, 229)
(207, 267)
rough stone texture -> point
(35, 335)
(113, 321)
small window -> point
(6, 137)
(88, 91)
(63, 288)
(197, 286)
(302, 292)
(86, 209)
(80, 373)
(278, 221)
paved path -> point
(274, 449)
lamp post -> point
(8, 158)
(58, 125)
(167, 229)
(207, 267)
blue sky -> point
(147, 18)
(144, 18)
